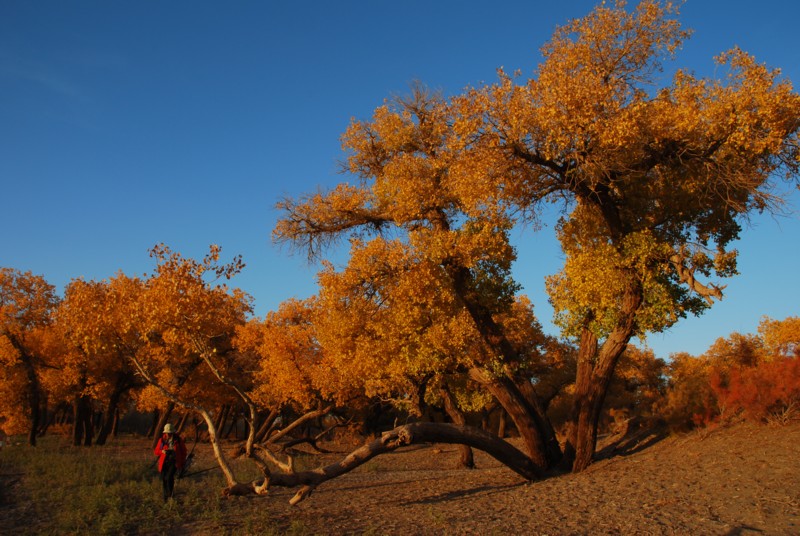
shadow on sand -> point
(635, 436)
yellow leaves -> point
(387, 317)
(594, 68)
(285, 354)
(26, 301)
(598, 275)
(781, 337)
(650, 176)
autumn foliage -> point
(753, 376)
(424, 320)
(765, 392)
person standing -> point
(171, 452)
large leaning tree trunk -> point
(514, 403)
(408, 434)
(524, 409)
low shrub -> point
(769, 391)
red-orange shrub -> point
(760, 392)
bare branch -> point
(686, 275)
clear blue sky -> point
(126, 124)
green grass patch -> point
(113, 489)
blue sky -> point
(126, 124)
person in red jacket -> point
(171, 452)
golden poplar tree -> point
(97, 322)
(655, 181)
(27, 303)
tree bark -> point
(299, 421)
(222, 416)
(266, 426)
(120, 387)
(527, 416)
(512, 400)
(543, 424)
(82, 429)
(451, 408)
(408, 434)
(501, 425)
(594, 376)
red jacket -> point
(163, 446)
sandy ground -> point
(743, 479)
(738, 480)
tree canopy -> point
(655, 182)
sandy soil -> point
(735, 480)
(738, 480)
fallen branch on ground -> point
(389, 441)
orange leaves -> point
(26, 301)
(761, 392)
(285, 354)
(163, 322)
(756, 376)
(317, 220)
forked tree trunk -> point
(593, 378)
(543, 424)
(527, 416)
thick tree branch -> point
(686, 275)
(408, 434)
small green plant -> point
(297, 528)
(371, 467)
(115, 489)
